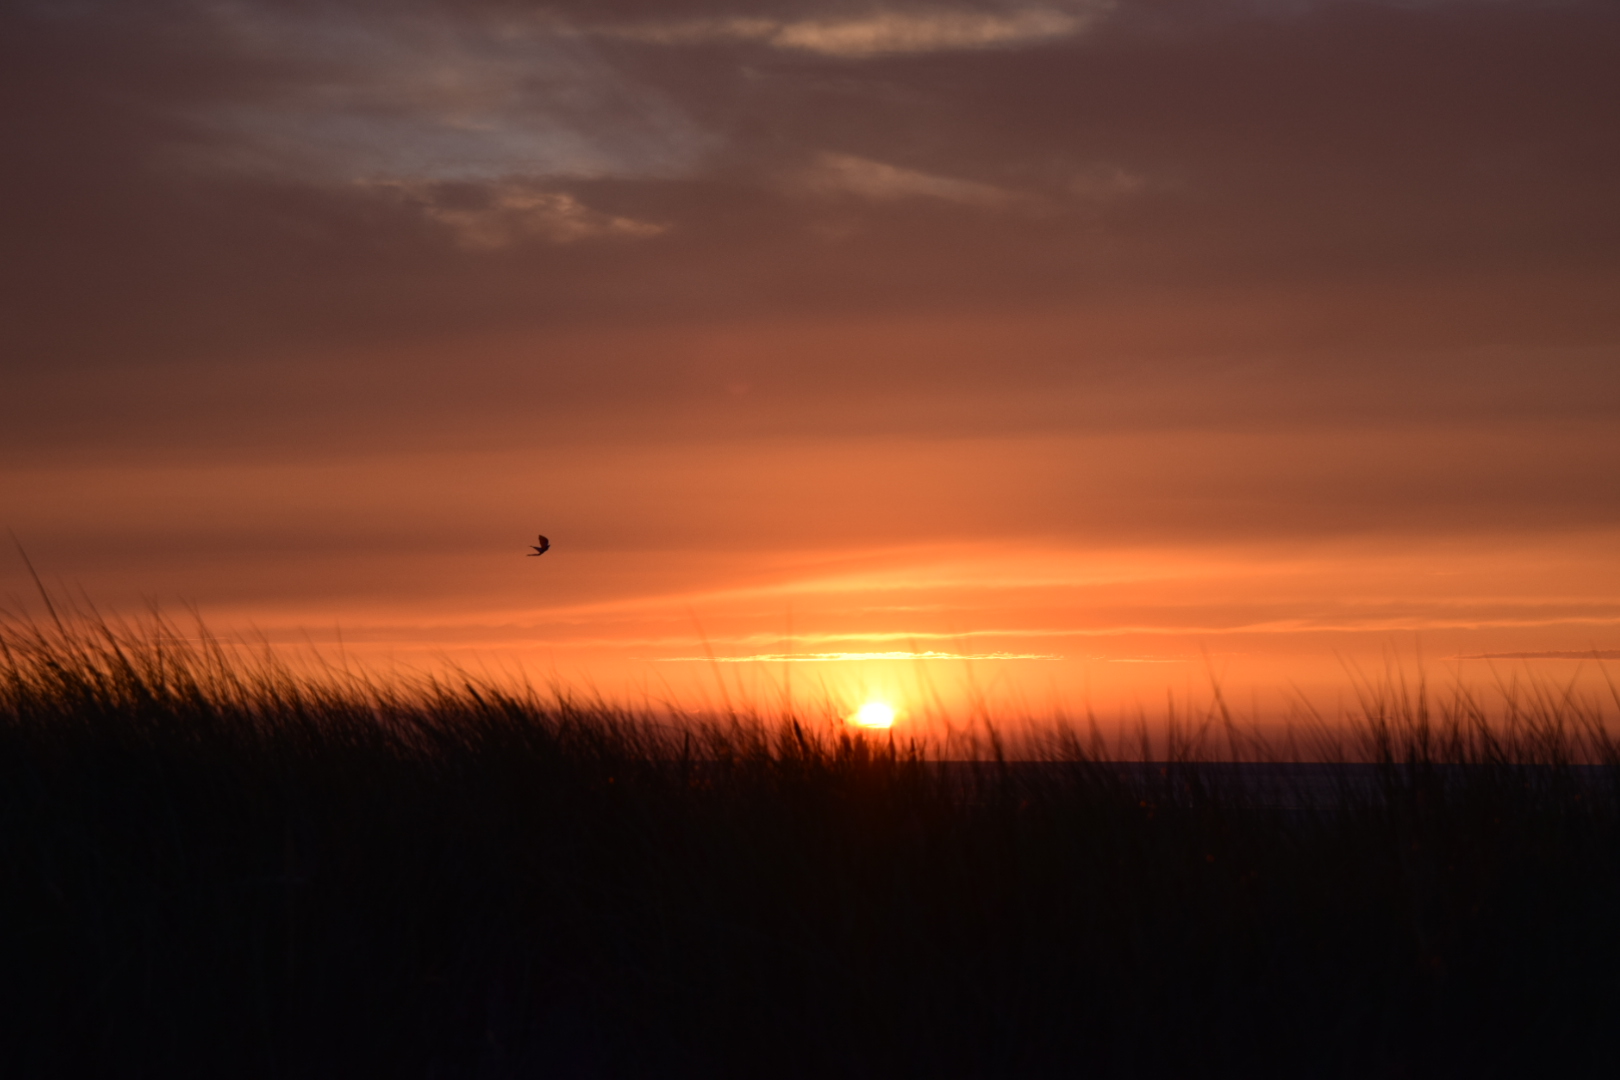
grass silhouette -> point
(218, 864)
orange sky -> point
(1113, 345)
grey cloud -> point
(423, 93)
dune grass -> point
(219, 865)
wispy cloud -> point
(419, 93)
(905, 33)
(510, 212)
(835, 657)
(880, 33)
(847, 174)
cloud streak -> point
(880, 33)
(848, 657)
(486, 218)
(846, 174)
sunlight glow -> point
(834, 657)
(874, 714)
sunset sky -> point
(1060, 352)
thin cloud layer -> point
(487, 217)
(879, 32)
(425, 93)
(851, 175)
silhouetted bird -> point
(540, 549)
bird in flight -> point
(541, 548)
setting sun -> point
(874, 714)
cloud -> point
(694, 31)
(896, 32)
(433, 95)
(847, 174)
(495, 217)
(882, 33)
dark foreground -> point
(209, 871)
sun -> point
(874, 714)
